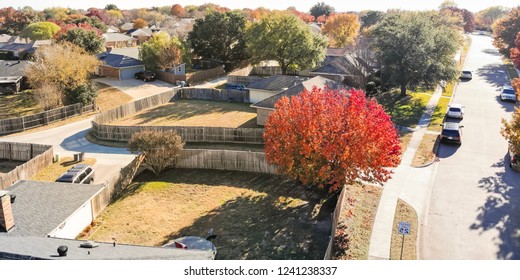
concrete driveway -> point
(474, 206)
(138, 89)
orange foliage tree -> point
(341, 29)
(515, 51)
(177, 10)
(327, 138)
(140, 23)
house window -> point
(179, 69)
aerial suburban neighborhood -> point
(201, 132)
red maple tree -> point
(515, 52)
(327, 138)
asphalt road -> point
(474, 208)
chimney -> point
(6, 213)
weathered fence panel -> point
(231, 95)
(200, 76)
(335, 220)
(37, 157)
(188, 133)
(271, 70)
(170, 77)
(225, 160)
(8, 126)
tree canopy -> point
(40, 31)
(63, 69)
(511, 129)
(515, 52)
(161, 52)
(327, 138)
(220, 36)
(13, 21)
(177, 10)
(341, 29)
(415, 50)
(505, 29)
(287, 39)
(161, 149)
(82, 35)
(321, 9)
(484, 19)
(370, 18)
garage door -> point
(128, 73)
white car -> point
(455, 111)
(507, 93)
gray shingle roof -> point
(117, 60)
(276, 82)
(46, 248)
(117, 37)
(318, 81)
(13, 68)
(41, 207)
(335, 65)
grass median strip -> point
(404, 213)
(426, 151)
(439, 114)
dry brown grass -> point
(355, 226)
(426, 151)
(256, 216)
(404, 213)
(110, 97)
(18, 105)
(53, 171)
(195, 113)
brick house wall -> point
(109, 72)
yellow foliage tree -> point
(341, 29)
(140, 23)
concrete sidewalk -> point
(410, 184)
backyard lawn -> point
(18, 105)
(110, 97)
(255, 216)
(195, 113)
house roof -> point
(334, 65)
(16, 47)
(112, 29)
(130, 52)
(318, 81)
(117, 37)
(118, 60)
(275, 83)
(127, 26)
(41, 207)
(13, 68)
(4, 38)
(46, 248)
(336, 51)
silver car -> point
(507, 93)
(456, 111)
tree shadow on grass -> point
(404, 110)
(281, 221)
(501, 210)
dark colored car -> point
(146, 76)
(451, 132)
(79, 174)
(235, 86)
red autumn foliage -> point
(515, 52)
(303, 16)
(67, 27)
(321, 19)
(327, 138)
(177, 10)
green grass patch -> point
(405, 110)
(438, 114)
(448, 89)
(404, 213)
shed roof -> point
(117, 37)
(41, 207)
(13, 68)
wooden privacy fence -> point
(226, 160)
(231, 95)
(335, 220)
(188, 133)
(200, 76)
(271, 70)
(8, 126)
(134, 107)
(37, 157)
(170, 77)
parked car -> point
(235, 86)
(514, 160)
(507, 93)
(451, 132)
(79, 174)
(466, 75)
(146, 76)
(456, 111)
